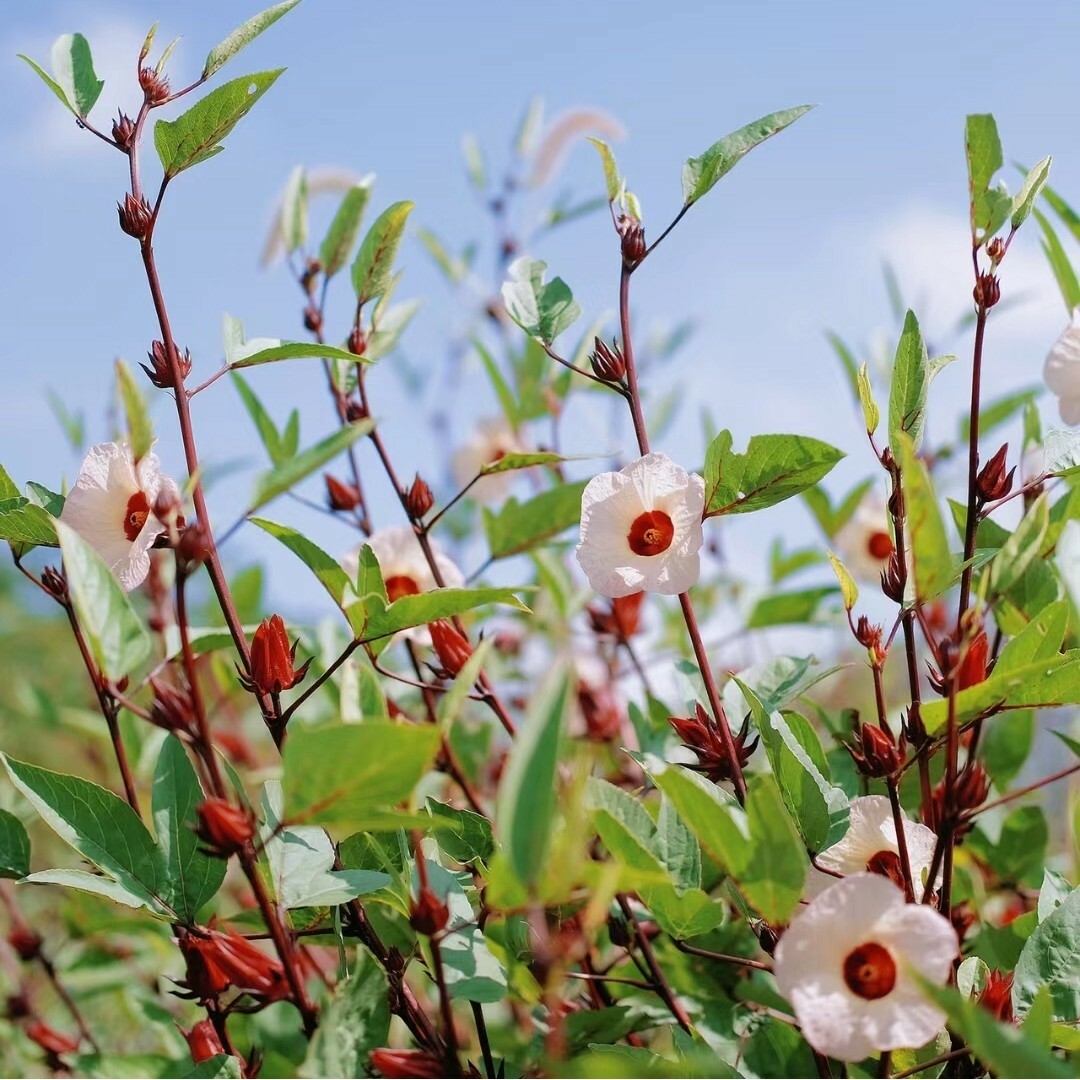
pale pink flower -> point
(641, 528)
(1062, 370)
(405, 570)
(491, 440)
(111, 506)
(850, 965)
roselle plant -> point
(557, 828)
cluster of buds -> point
(203, 1041)
(273, 660)
(993, 482)
(160, 371)
(621, 620)
(155, 86)
(632, 234)
(135, 215)
(223, 827)
(341, 496)
(219, 959)
(701, 735)
(418, 499)
(428, 914)
(601, 711)
(987, 291)
(878, 753)
(971, 669)
(123, 131)
(407, 1064)
(607, 361)
(869, 635)
(451, 647)
(969, 793)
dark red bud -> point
(172, 707)
(224, 827)
(632, 234)
(357, 341)
(892, 578)
(987, 291)
(313, 319)
(407, 1064)
(203, 1042)
(122, 131)
(195, 546)
(25, 942)
(49, 1039)
(273, 660)
(219, 959)
(602, 713)
(451, 647)
(354, 411)
(55, 582)
(429, 914)
(701, 734)
(995, 250)
(993, 482)
(155, 87)
(869, 636)
(160, 371)
(878, 752)
(340, 495)
(418, 499)
(135, 215)
(973, 666)
(607, 361)
(996, 996)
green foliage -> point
(341, 237)
(243, 35)
(1048, 959)
(74, 80)
(774, 468)
(195, 136)
(990, 206)
(543, 309)
(518, 526)
(934, 570)
(140, 430)
(911, 379)
(14, 847)
(373, 267)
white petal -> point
(865, 837)
(656, 476)
(1069, 409)
(678, 574)
(1062, 368)
(924, 939)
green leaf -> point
(465, 836)
(427, 607)
(1064, 274)
(1005, 1049)
(264, 424)
(49, 81)
(527, 794)
(1018, 849)
(701, 173)
(1062, 449)
(301, 862)
(354, 1022)
(294, 211)
(25, 524)
(96, 885)
(243, 35)
(994, 413)
(269, 485)
(195, 136)
(542, 309)
(341, 237)
(351, 775)
(787, 608)
(990, 207)
(871, 412)
(100, 826)
(517, 526)
(327, 569)
(1022, 548)
(373, 267)
(510, 462)
(140, 429)
(14, 847)
(295, 350)
(1032, 187)
(933, 562)
(613, 181)
(117, 638)
(774, 468)
(911, 378)
(194, 877)
(848, 589)
(1049, 958)
(74, 70)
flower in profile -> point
(1062, 370)
(864, 542)
(218, 959)
(224, 827)
(491, 440)
(850, 965)
(451, 647)
(870, 845)
(203, 1041)
(405, 569)
(641, 528)
(111, 508)
(273, 659)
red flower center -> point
(880, 545)
(887, 864)
(399, 585)
(870, 971)
(651, 533)
(138, 510)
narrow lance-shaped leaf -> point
(613, 181)
(871, 412)
(701, 173)
(933, 563)
(373, 267)
(294, 210)
(848, 589)
(344, 228)
(195, 136)
(1032, 187)
(243, 35)
(910, 385)
(140, 429)
(117, 638)
(14, 847)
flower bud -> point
(273, 660)
(55, 582)
(995, 250)
(313, 319)
(357, 341)
(987, 291)
(224, 827)
(869, 636)
(25, 942)
(172, 707)
(607, 361)
(993, 482)
(892, 579)
(973, 666)
(622, 620)
(135, 215)
(122, 131)
(632, 233)
(195, 546)
(429, 914)
(340, 495)
(203, 1041)
(969, 793)
(913, 727)
(219, 959)
(354, 411)
(963, 918)
(155, 86)
(160, 371)
(406, 1064)
(451, 647)
(996, 996)
(601, 712)
(701, 734)
(878, 752)
(418, 499)
(16, 1007)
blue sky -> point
(789, 244)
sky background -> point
(789, 244)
